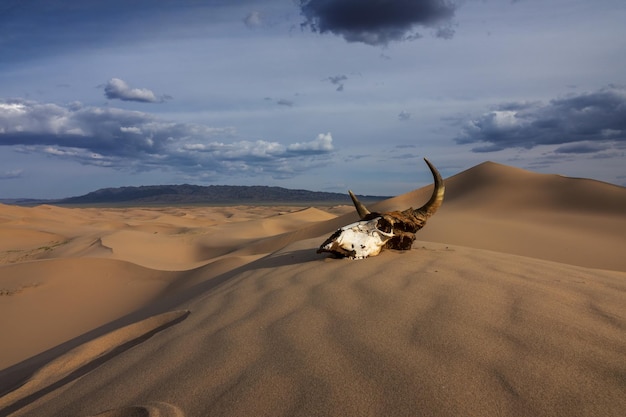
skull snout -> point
(357, 240)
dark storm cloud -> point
(583, 123)
(118, 89)
(139, 141)
(378, 22)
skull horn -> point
(427, 210)
(436, 199)
(360, 207)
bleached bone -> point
(377, 231)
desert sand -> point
(512, 302)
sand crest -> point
(511, 303)
(87, 356)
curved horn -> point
(360, 207)
(436, 198)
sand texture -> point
(512, 302)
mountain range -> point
(196, 194)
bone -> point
(394, 230)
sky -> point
(324, 95)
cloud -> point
(238, 151)
(320, 145)
(404, 115)
(583, 123)
(337, 80)
(253, 19)
(10, 175)
(445, 32)
(118, 89)
(138, 141)
(580, 147)
(378, 22)
(262, 150)
(281, 101)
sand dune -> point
(511, 303)
(495, 207)
(63, 284)
(48, 302)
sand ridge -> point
(87, 356)
(511, 303)
(101, 264)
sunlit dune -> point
(512, 302)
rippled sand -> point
(511, 303)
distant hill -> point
(212, 194)
(26, 201)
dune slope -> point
(511, 303)
(496, 207)
(440, 330)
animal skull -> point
(357, 240)
(375, 231)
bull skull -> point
(375, 231)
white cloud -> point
(504, 119)
(131, 129)
(238, 150)
(116, 88)
(9, 107)
(60, 152)
(138, 141)
(322, 144)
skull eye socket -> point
(384, 226)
